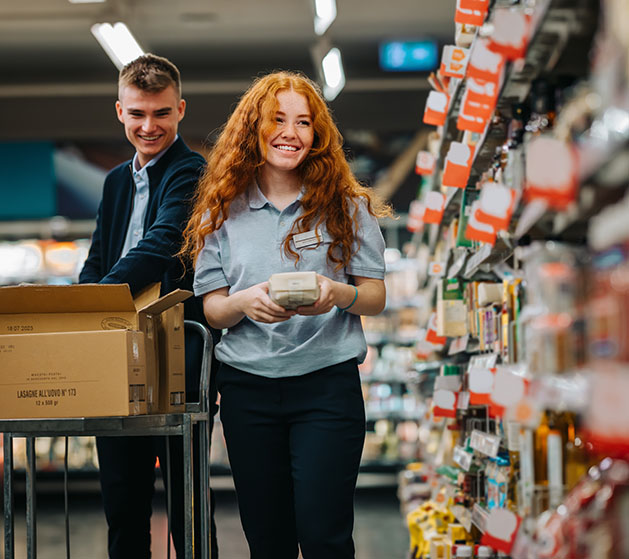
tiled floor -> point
(379, 531)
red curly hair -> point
(331, 191)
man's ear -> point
(119, 111)
(181, 109)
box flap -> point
(87, 297)
(167, 301)
(145, 297)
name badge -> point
(306, 239)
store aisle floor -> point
(379, 532)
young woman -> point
(291, 401)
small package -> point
(294, 289)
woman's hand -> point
(326, 300)
(367, 296)
(257, 305)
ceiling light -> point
(333, 74)
(325, 14)
(87, 1)
(117, 42)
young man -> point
(143, 211)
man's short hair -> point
(150, 73)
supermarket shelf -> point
(54, 228)
(424, 366)
(398, 379)
(382, 339)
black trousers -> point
(127, 476)
(294, 447)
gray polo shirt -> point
(246, 250)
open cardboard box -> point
(33, 309)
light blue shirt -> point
(246, 250)
(135, 230)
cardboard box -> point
(148, 326)
(72, 374)
(172, 360)
(27, 309)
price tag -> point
(462, 458)
(471, 123)
(463, 515)
(487, 361)
(510, 33)
(464, 400)
(482, 5)
(435, 204)
(607, 418)
(484, 64)
(448, 382)
(444, 403)
(436, 108)
(454, 61)
(459, 261)
(508, 388)
(481, 383)
(496, 205)
(436, 269)
(551, 172)
(485, 443)
(501, 529)
(458, 345)
(476, 230)
(425, 163)
(458, 165)
(479, 517)
(469, 17)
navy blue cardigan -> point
(172, 182)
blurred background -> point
(58, 86)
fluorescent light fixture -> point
(87, 1)
(117, 42)
(325, 14)
(333, 74)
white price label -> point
(462, 458)
(463, 515)
(458, 344)
(479, 517)
(485, 442)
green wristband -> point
(353, 300)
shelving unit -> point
(519, 421)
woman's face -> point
(289, 143)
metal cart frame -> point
(163, 424)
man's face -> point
(150, 119)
